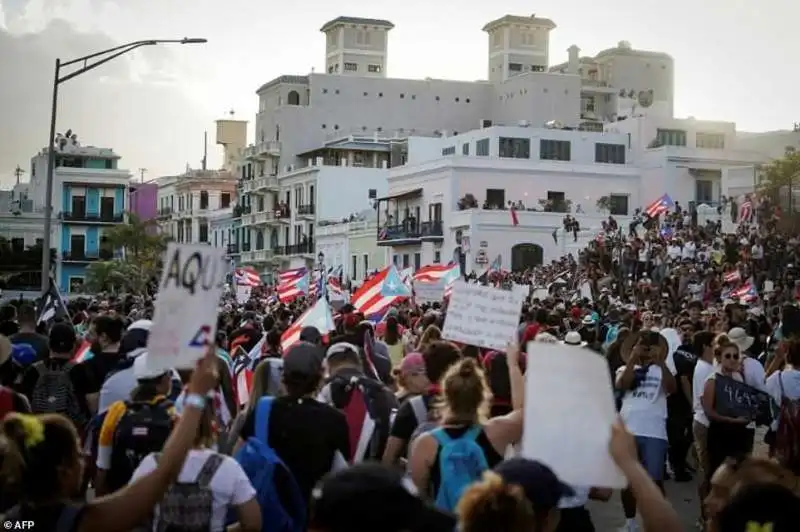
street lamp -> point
(321, 260)
(90, 62)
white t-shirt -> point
(689, 249)
(757, 251)
(230, 486)
(644, 409)
(674, 251)
(791, 387)
(702, 371)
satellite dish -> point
(645, 98)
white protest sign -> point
(243, 294)
(569, 410)
(185, 314)
(523, 290)
(482, 316)
(541, 294)
(429, 292)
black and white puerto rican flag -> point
(52, 306)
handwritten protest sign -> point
(243, 294)
(737, 399)
(185, 315)
(482, 316)
(429, 292)
(569, 410)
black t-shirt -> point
(685, 361)
(406, 422)
(39, 342)
(8, 328)
(98, 367)
(306, 435)
(9, 373)
(81, 381)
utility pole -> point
(205, 150)
(18, 173)
(142, 171)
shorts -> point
(652, 455)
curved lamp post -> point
(90, 62)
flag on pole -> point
(514, 217)
(660, 206)
(52, 306)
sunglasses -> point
(728, 356)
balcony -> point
(267, 183)
(306, 248)
(232, 249)
(268, 147)
(282, 214)
(306, 211)
(83, 217)
(259, 255)
(400, 235)
(245, 247)
(432, 231)
(82, 256)
(165, 212)
(258, 218)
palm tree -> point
(143, 247)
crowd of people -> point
(385, 425)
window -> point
(354, 267)
(450, 150)
(555, 150)
(515, 67)
(204, 200)
(495, 198)
(365, 260)
(555, 196)
(437, 257)
(330, 69)
(374, 68)
(482, 148)
(417, 261)
(703, 191)
(618, 204)
(351, 67)
(714, 141)
(538, 68)
(515, 148)
(406, 261)
(395, 259)
(106, 208)
(465, 148)
(609, 153)
(78, 205)
(671, 137)
(225, 200)
(77, 245)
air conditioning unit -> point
(523, 123)
(484, 123)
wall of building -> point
(143, 200)
(537, 97)
(362, 243)
(343, 190)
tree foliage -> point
(780, 176)
(604, 203)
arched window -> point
(260, 239)
(294, 98)
(525, 256)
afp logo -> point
(18, 525)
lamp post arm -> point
(115, 52)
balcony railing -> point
(233, 249)
(306, 248)
(268, 147)
(283, 213)
(404, 231)
(306, 210)
(432, 230)
(92, 218)
(262, 184)
(245, 247)
(258, 255)
(82, 256)
(165, 211)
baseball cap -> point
(542, 487)
(62, 338)
(761, 506)
(340, 347)
(303, 358)
(373, 497)
(413, 364)
(311, 334)
(142, 371)
(135, 337)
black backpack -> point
(54, 393)
(142, 429)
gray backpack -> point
(424, 421)
(189, 506)
(53, 393)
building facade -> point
(186, 201)
(143, 200)
(90, 194)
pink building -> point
(143, 199)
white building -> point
(186, 201)
(333, 135)
(351, 246)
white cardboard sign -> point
(185, 314)
(569, 411)
(429, 292)
(482, 316)
(243, 294)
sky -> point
(732, 61)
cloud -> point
(130, 104)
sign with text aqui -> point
(185, 317)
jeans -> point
(652, 455)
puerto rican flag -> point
(335, 288)
(433, 273)
(660, 206)
(292, 284)
(380, 292)
(732, 276)
(83, 353)
(244, 364)
(747, 291)
(746, 210)
(246, 276)
(319, 316)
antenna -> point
(141, 174)
(18, 173)
(231, 112)
(205, 149)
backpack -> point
(6, 401)
(189, 506)
(461, 462)
(787, 437)
(142, 429)
(260, 462)
(611, 334)
(367, 406)
(424, 421)
(54, 393)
